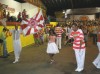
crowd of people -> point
(39, 37)
(21, 16)
(58, 35)
(78, 35)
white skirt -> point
(52, 48)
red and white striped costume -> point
(58, 31)
(79, 48)
(78, 36)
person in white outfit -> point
(96, 62)
(52, 48)
(16, 43)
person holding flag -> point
(16, 42)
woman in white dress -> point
(52, 47)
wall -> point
(77, 17)
(31, 9)
(12, 4)
(59, 14)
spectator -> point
(19, 17)
(3, 38)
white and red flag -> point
(34, 24)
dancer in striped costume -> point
(78, 46)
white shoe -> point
(94, 64)
(52, 61)
(76, 69)
(15, 61)
(79, 70)
(98, 67)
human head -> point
(58, 25)
(4, 29)
(51, 31)
(24, 10)
(74, 26)
(19, 12)
(16, 27)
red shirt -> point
(78, 36)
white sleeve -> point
(11, 30)
(20, 30)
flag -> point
(33, 25)
(39, 18)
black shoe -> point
(4, 56)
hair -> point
(51, 31)
(4, 29)
(74, 24)
(58, 24)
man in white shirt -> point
(16, 43)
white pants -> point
(97, 60)
(80, 58)
(58, 42)
(17, 49)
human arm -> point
(81, 36)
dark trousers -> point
(5, 53)
(94, 38)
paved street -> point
(34, 60)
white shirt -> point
(16, 34)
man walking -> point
(16, 43)
(78, 46)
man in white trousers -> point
(78, 46)
(96, 62)
(58, 31)
(16, 43)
